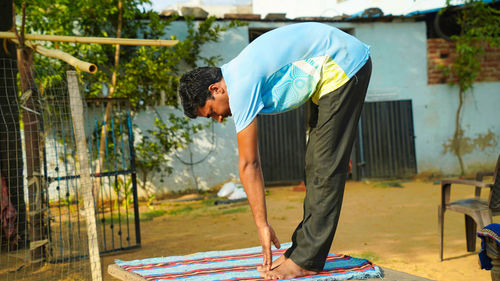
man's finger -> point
(269, 258)
(276, 242)
(274, 239)
(264, 258)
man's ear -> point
(215, 88)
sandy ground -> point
(395, 227)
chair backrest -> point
(495, 189)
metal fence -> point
(111, 146)
(38, 241)
(44, 232)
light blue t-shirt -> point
(283, 68)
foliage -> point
(155, 145)
(147, 76)
(150, 199)
(148, 72)
(149, 215)
(154, 71)
(123, 191)
(180, 211)
(68, 201)
(88, 18)
(122, 218)
(203, 209)
(479, 28)
(231, 211)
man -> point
(279, 71)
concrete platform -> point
(393, 275)
(389, 275)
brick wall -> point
(442, 52)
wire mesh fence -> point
(38, 239)
(44, 233)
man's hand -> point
(251, 177)
(266, 236)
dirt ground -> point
(394, 227)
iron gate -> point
(118, 226)
(386, 141)
(108, 127)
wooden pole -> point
(93, 40)
(86, 183)
(32, 121)
(57, 54)
(107, 113)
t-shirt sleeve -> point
(245, 103)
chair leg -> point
(441, 230)
(470, 233)
(486, 219)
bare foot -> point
(288, 269)
(275, 264)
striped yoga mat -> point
(234, 265)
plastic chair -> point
(477, 211)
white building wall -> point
(214, 153)
(399, 58)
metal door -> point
(386, 140)
(282, 144)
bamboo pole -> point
(93, 40)
(57, 54)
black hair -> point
(193, 88)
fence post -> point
(86, 184)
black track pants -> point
(327, 159)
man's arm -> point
(253, 183)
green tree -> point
(147, 76)
(479, 29)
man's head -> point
(203, 93)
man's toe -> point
(274, 275)
(269, 276)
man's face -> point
(216, 107)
